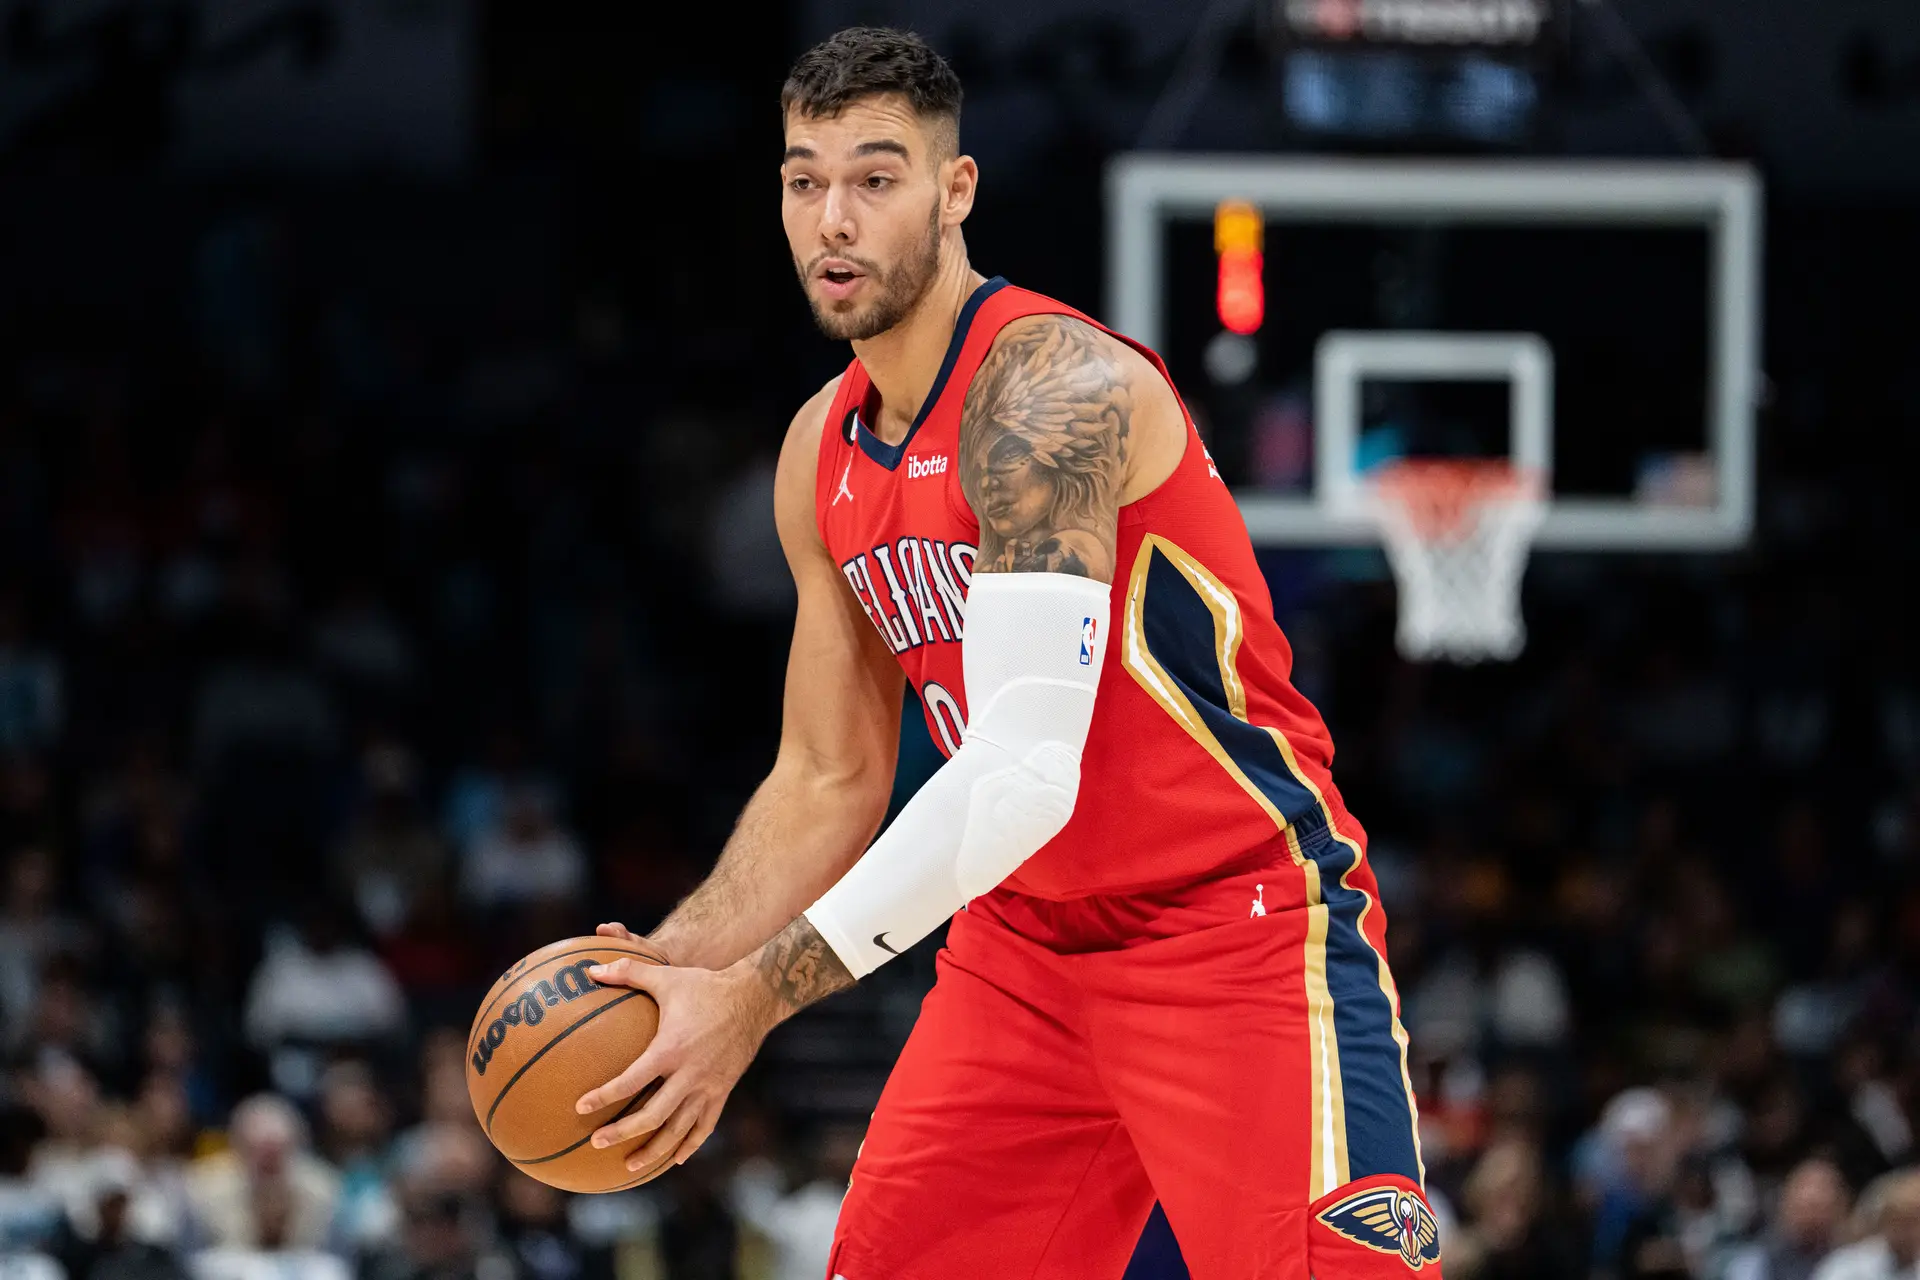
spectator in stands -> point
(32, 688)
(32, 932)
(1637, 1229)
(436, 957)
(799, 1224)
(1864, 1077)
(131, 817)
(173, 1054)
(269, 1191)
(1506, 1235)
(355, 1135)
(70, 1019)
(157, 1131)
(1804, 1228)
(443, 1092)
(109, 1246)
(155, 1211)
(535, 1233)
(391, 855)
(444, 1232)
(66, 1097)
(274, 1254)
(527, 858)
(478, 793)
(448, 1158)
(29, 1216)
(262, 702)
(318, 986)
(1892, 1252)
(359, 641)
(699, 1238)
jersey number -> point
(944, 710)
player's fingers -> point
(645, 1069)
(614, 929)
(666, 1140)
(699, 1135)
(638, 974)
(650, 1116)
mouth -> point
(839, 280)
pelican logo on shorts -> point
(531, 1005)
(934, 466)
(1388, 1220)
(1088, 630)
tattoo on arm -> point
(1043, 448)
(800, 968)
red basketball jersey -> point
(1202, 756)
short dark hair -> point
(864, 62)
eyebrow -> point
(880, 146)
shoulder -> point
(800, 451)
(1070, 339)
(1058, 341)
(804, 431)
(1048, 365)
(1051, 361)
(796, 474)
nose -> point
(836, 216)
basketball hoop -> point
(1457, 534)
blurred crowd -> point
(335, 676)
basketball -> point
(545, 1034)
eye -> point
(801, 183)
(879, 182)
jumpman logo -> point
(1259, 901)
(845, 491)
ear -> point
(960, 177)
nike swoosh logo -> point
(880, 941)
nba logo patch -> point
(1088, 629)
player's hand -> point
(711, 1025)
(614, 929)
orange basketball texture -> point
(545, 1034)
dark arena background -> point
(389, 391)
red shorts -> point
(1078, 1060)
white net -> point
(1457, 536)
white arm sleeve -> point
(1031, 655)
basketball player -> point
(1167, 972)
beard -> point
(898, 290)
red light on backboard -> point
(1238, 237)
(1243, 295)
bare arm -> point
(840, 732)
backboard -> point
(1695, 495)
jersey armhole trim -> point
(833, 434)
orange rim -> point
(1439, 494)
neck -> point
(904, 361)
